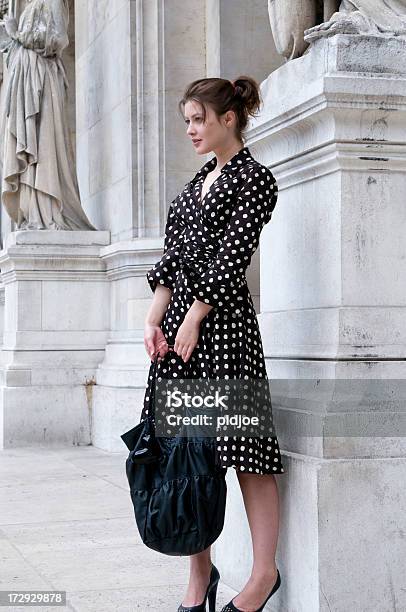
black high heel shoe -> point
(230, 607)
(211, 593)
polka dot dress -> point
(208, 246)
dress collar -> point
(231, 167)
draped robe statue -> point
(39, 182)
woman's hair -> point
(241, 96)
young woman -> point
(202, 306)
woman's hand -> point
(155, 341)
(187, 337)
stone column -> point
(134, 157)
(334, 312)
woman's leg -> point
(261, 500)
(199, 578)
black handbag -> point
(177, 486)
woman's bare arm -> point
(160, 301)
(198, 311)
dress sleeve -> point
(219, 284)
(166, 269)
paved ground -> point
(67, 523)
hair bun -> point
(248, 90)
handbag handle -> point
(153, 384)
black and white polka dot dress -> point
(208, 247)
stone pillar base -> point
(122, 375)
(56, 324)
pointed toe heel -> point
(230, 607)
(211, 593)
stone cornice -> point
(131, 258)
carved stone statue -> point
(3, 12)
(3, 8)
(288, 22)
(39, 184)
(384, 18)
(294, 23)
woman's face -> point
(214, 133)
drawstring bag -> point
(177, 486)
